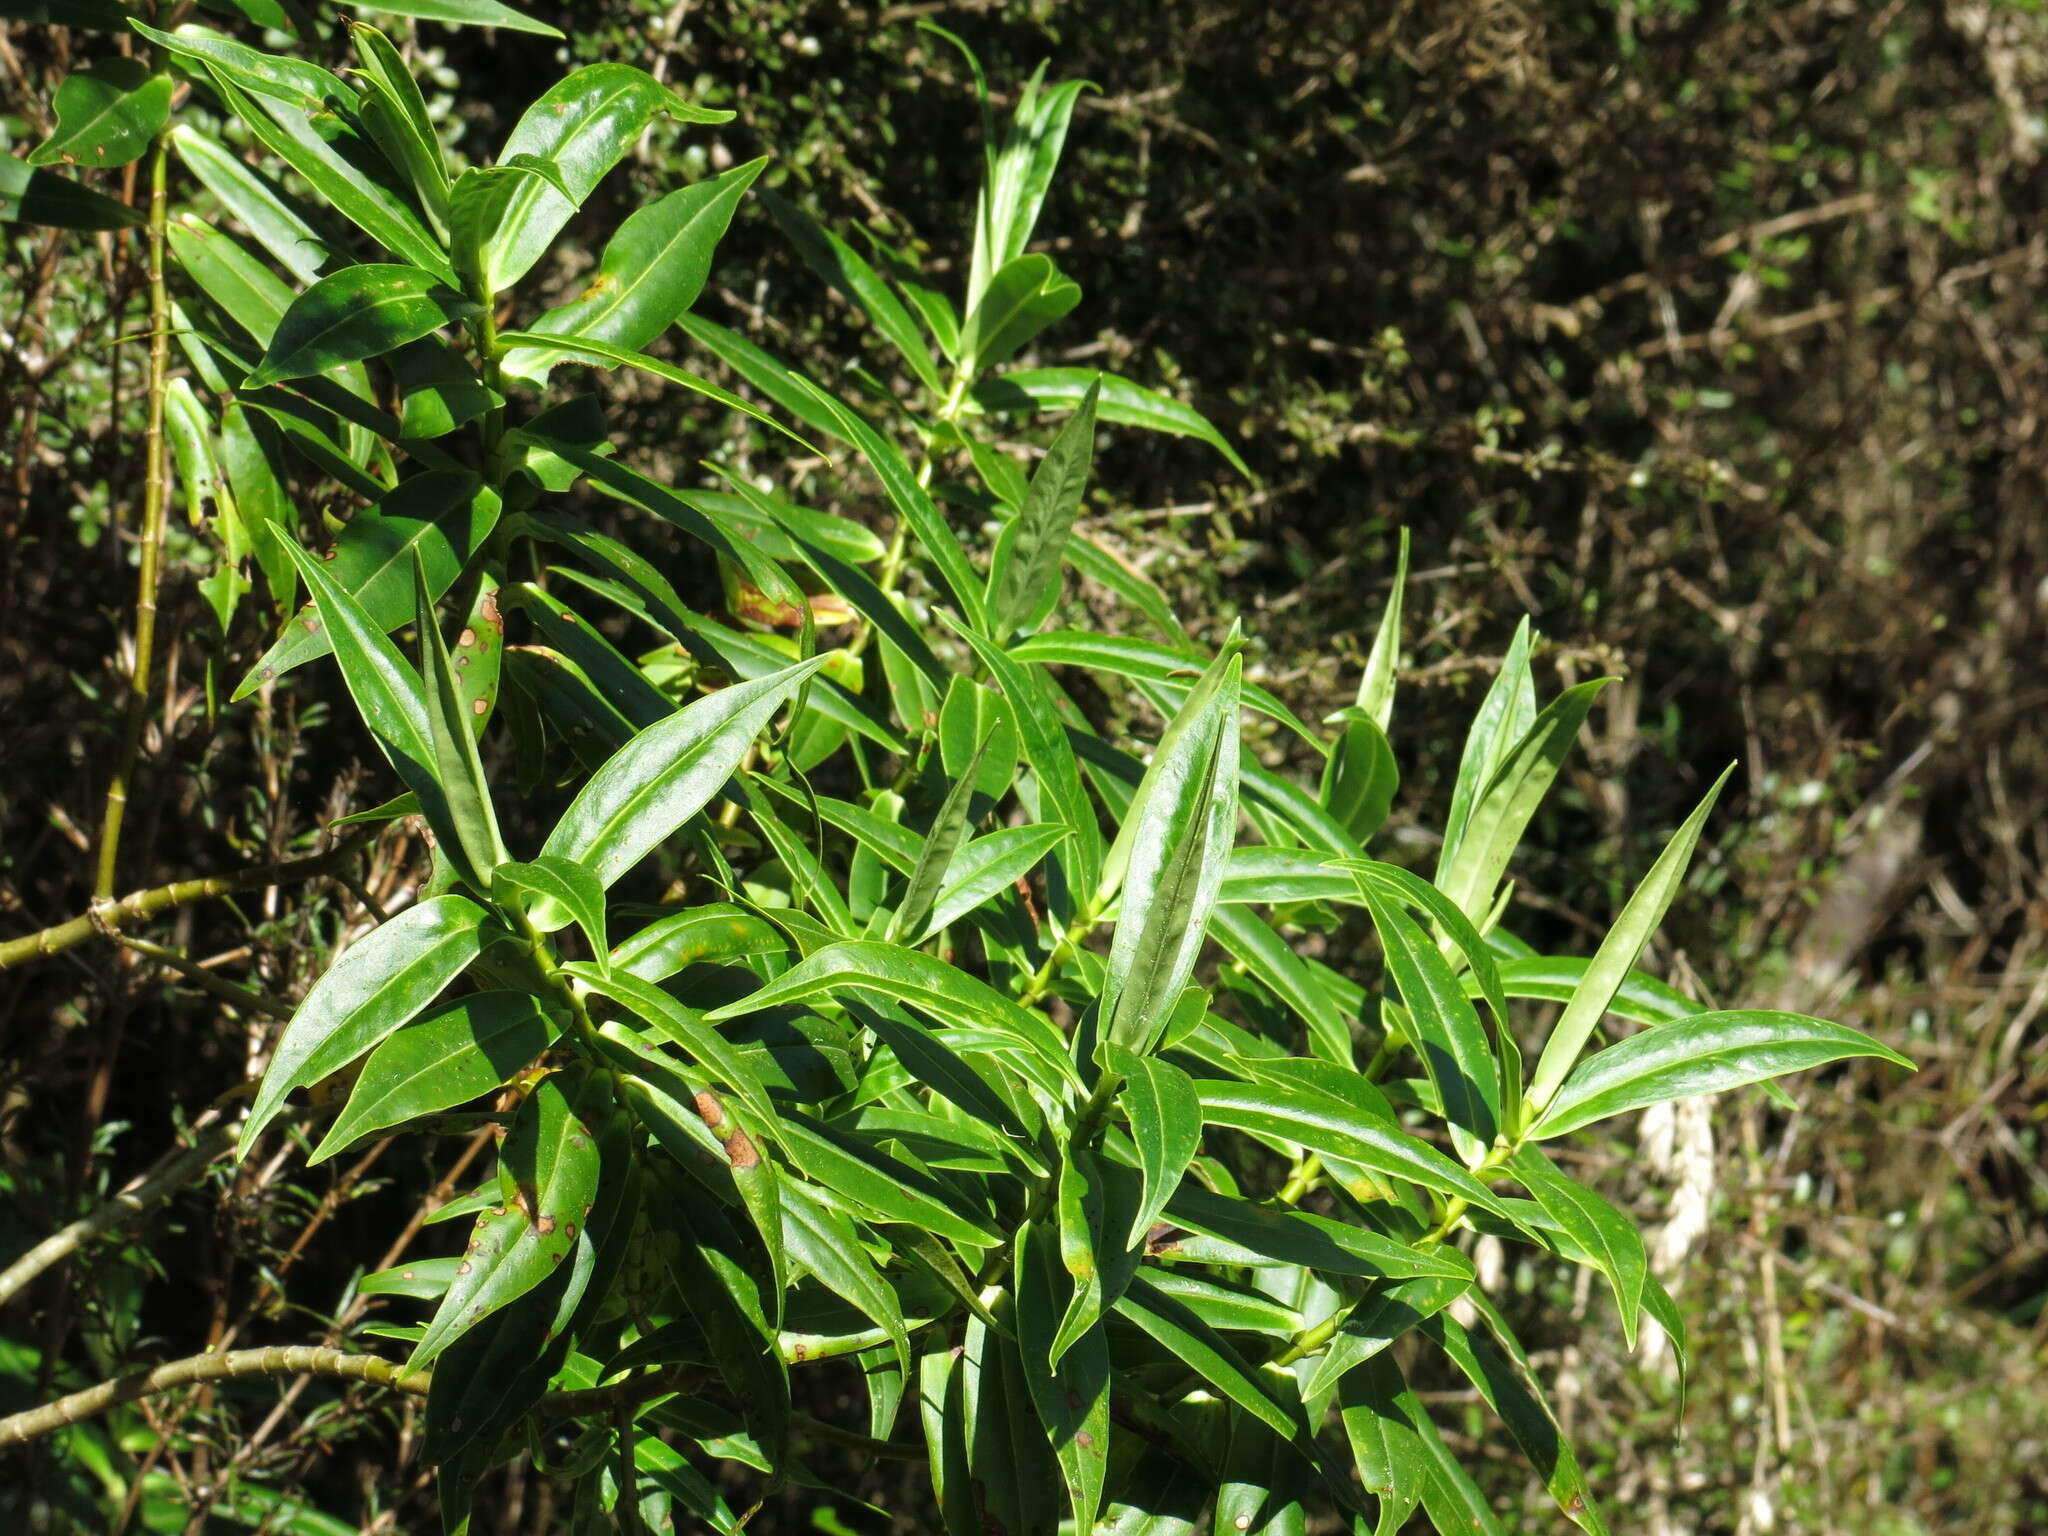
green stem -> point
(155, 499)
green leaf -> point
(884, 1187)
(1443, 1025)
(1122, 401)
(1360, 777)
(844, 269)
(440, 518)
(1324, 1126)
(582, 126)
(1178, 834)
(1607, 1236)
(1525, 1415)
(1195, 1344)
(1071, 1397)
(379, 983)
(549, 1168)
(667, 774)
(1171, 671)
(768, 374)
(438, 391)
(824, 1242)
(459, 1051)
(1376, 687)
(553, 892)
(1024, 580)
(460, 13)
(1641, 997)
(688, 1028)
(1021, 300)
(1164, 1114)
(295, 136)
(29, 196)
(1617, 954)
(388, 695)
(106, 115)
(605, 352)
(1297, 1238)
(457, 769)
(1502, 810)
(262, 207)
(941, 841)
(1384, 1444)
(359, 312)
(1700, 1055)
(394, 114)
(297, 83)
(909, 976)
(652, 270)
(938, 540)
(987, 867)
(1078, 1223)
(673, 943)
(1053, 766)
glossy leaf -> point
(454, 1054)
(987, 867)
(1164, 1115)
(106, 115)
(1021, 300)
(941, 842)
(1608, 1236)
(458, 770)
(378, 985)
(1179, 833)
(550, 1173)
(1319, 1243)
(440, 518)
(1700, 1055)
(1193, 1342)
(667, 774)
(358, 312)
(582, 127)
(941, 546)
(652, 270)
(463, 13)
(1326, 1127)
(885, 1187)
(553, 892)
(841, 266)
(1024, 581)
(1383, 1441)
(1617, 954)
(1445, 1027)
(1121, 400)
(1502, 810)
(1071, 1396)
(282, 228)
(30, 196)
(908, 976)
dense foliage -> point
(819, 1021)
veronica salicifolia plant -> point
(917, 1074)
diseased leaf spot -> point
(467, 637)
(478, 706)
(545, 1226)
(464, 1267)
(312, 626)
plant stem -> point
(171, 1174)
(137, 906)
(155, 498)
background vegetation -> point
(1710, 335)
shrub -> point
(849, 1014)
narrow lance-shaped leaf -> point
(1183, 829)
(668, 773)
(652, 270)
(844, 268)
(465, 13)
(1696, 1056)
(463, 1049)
(30, 196)
(358, 312)
(1504, 808)
(1383, 1442)
(1122, 401)
(583, 126)
(941, 842)
(379, 983)
(387, 692)
(1609, 1238)
(457, 767)
(1070, 1393)
(554, 892)
(1617, 954)
(1164, 1114)
(1376, 687)
(1024, 582)
(549, 1170)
